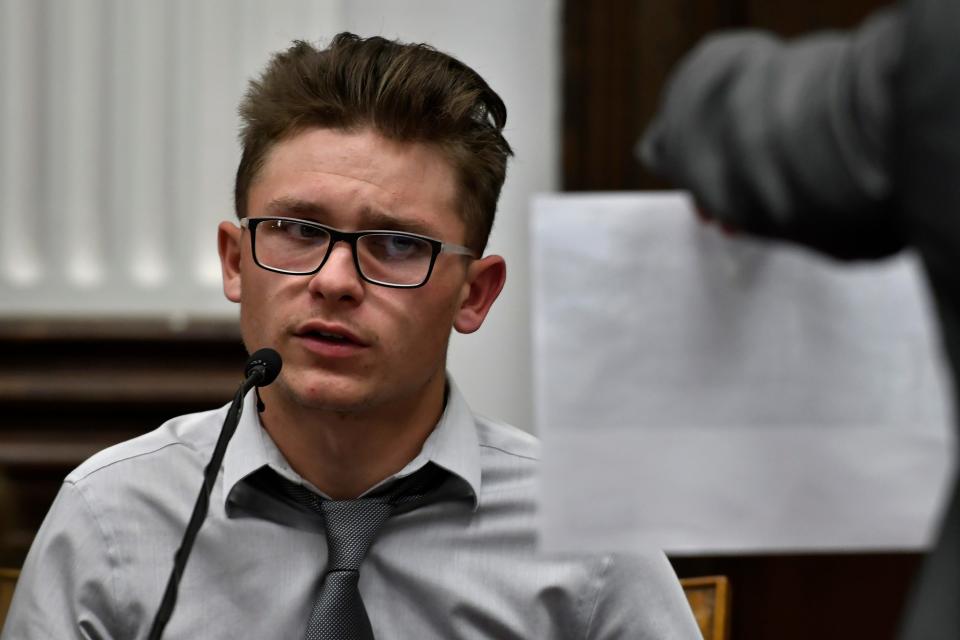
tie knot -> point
(351, 527)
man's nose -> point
(338, 278)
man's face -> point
(391, 344)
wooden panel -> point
(709, 597)
(615, 58)
(596, 106)
(798, 597)
(71, 388)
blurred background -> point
(117, 152)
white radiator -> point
(118, 144)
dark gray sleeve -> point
(788, 139)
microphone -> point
(266, 363)
(262, 368)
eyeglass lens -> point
(384, 257)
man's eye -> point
(401, 245)
(294, 230)
(388, 247)
(304, 231)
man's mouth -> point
(328, 334)
(328, 337)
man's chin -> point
(328, 394)
(334, 405)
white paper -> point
(708, 394)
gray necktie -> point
(351, 525)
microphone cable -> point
(262, 368)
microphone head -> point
(269, 361)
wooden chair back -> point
(8, 581)
(709, 597)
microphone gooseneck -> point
(262, 368)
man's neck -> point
(345, 453)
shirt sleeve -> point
(67, 587)
(640, 597)
(788, 139)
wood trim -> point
(8, 582)
(709, 597)
(72, 387)
(41, 329)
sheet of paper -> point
(708, 394)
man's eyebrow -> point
(367, 218)
(375, 219)
(295, 208)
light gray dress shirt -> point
(466, 567)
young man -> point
(366, 192)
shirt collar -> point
(453, 444)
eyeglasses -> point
(386, 258)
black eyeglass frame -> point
(351, 237)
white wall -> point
(515, 47)
(118, 116)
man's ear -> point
(228, 243)
(485, 280)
